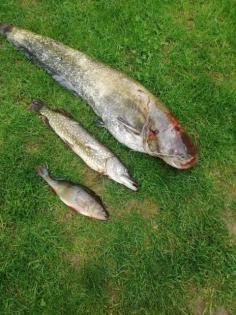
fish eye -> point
(182, 156)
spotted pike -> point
(74, 196)
(133, 115)
(91, 151)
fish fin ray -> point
(46, 121)
(52, 189)
(59, 78)
(59, 178)
(72, 208)
(128, 126)
(92, 147)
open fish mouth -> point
(128, 182)
(189, 163)
(177, 161)
(182, 164)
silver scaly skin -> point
(74, 196)
(133, 115)
(91, 151)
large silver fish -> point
(133, 115)
(91, 151)
(75, 196)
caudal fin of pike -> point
(35, 105)
(42, 170)
(5, 28)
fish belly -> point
(106, 90)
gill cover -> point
(165, 138)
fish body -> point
(133, 115)
(74, 196)
(91, 151)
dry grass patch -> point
(28, 2)
(92, 180)
(147, 207)
(225, 185)
(32, 147)
(230, 222)
(74, 259)
(197, 306)
(202, 302)
(220, 311)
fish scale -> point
(133, 115)
(75, 196)
(91, 151)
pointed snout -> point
(128, 182)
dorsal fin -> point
(63, 112)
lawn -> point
(170, 248)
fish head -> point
(97, 211)
(165, 138)
(100, 214)
(117, 171)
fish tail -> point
(35, 105)
(5, 28)
(42, 170)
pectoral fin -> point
(99, 122)
(64, 82)
(46, 121)
(72, 208)
(52, 190)
(128, 126)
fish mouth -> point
(178, 162)
(183, 164)
(103, 217)
(189, 163)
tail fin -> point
(42, 170)
(5, 28)
(35, 105)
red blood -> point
(189, 162)
(52, 190)
(186, 140)
(152, 134)
(174, 122)
(190, 147)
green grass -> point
(169, 248)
